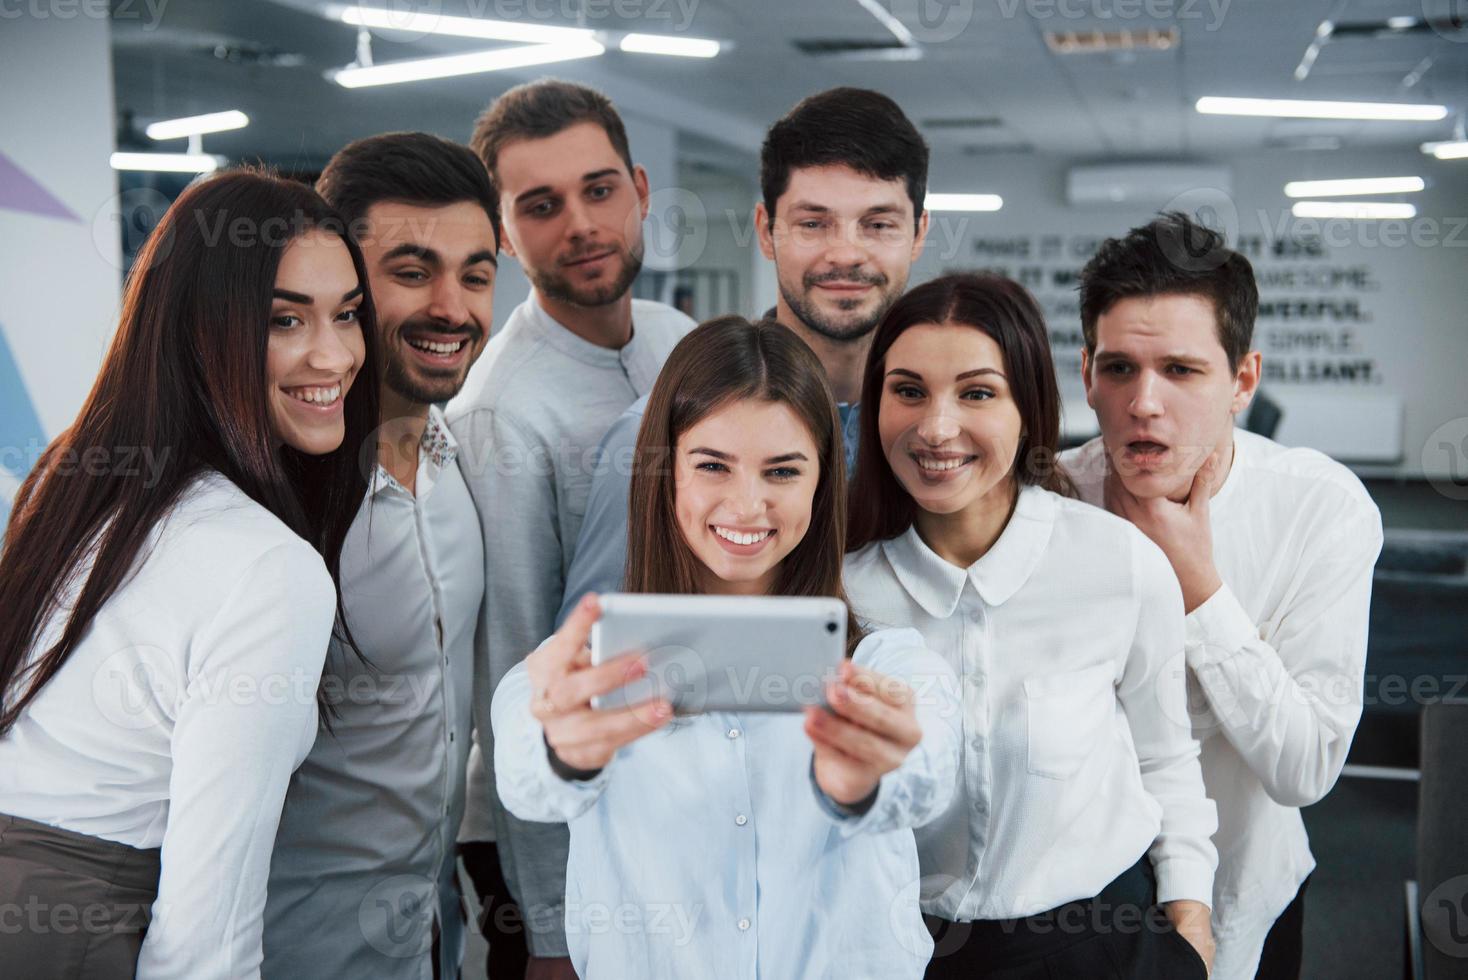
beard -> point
(411, 381)
(558, 287)
(850, 324)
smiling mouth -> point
(442, 349)
(940, 464)
(743, 538)
(587, 259)
(316, 396)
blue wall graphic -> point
(21, 438)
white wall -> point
(1390, 329)
(59, 233)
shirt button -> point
(741, 820)
(733, 733)
(743, 925)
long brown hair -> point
(722, 361)
(1001, 308)
(184, 379)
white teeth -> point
(738, 538)
(435, 348)
(316, 396)
(937, 465)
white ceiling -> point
(991, 61)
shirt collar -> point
(568, 342)
(937, 585)
(437, 449)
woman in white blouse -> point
(736, 844)
(1078, 844)
(168, 593)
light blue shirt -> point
(601, 546)
(707, 849)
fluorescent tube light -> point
(1355, 185)
(1447, 149)
(963, 202)
(419, 69)
(683, 47)
(359, 15)
(1310, 109)
(1355, 210)
(172, 163)
(213, 122)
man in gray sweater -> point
(569, 360)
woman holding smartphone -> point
(1081, 805)
(168, 591)
(735, 844)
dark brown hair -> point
(847, 127)
(411, 168)
(1001, 308)
(185, 377)
(719, 362)
(544, 108)
(1173, 255)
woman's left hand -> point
(1193, 921)
(870, 728)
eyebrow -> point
(431, 256)
(904, 372)
(784, 458)
(823, 209)
(586, 178)
(1111, 357)
(305, 300)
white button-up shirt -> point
(366, 845)
(179, 716)
(707, 849)
(1276, 661)
(1067, 638)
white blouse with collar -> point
(1067, 639)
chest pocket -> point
(1068, 717)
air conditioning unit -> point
(1149, 184)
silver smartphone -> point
(722, 653)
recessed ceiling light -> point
(419, 69)
(1354, 185)
(172, 163)
(1311, 109)
(1353, 210)
(963, 202)
(682, 47)
(213, 122)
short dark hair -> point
(543, 108)
(413, 168)
(850, 127)
(1173, 255)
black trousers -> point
(1121, 934)
(1284, 947)
(500, 921)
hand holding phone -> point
(562, 683)
(869, 728)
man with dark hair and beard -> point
(843, 177)
(363, 879)
(569, 360)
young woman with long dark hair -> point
(165, 626)
(741, 844)
(1080, 805)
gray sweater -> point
(528, 422)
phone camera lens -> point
(831, 627)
